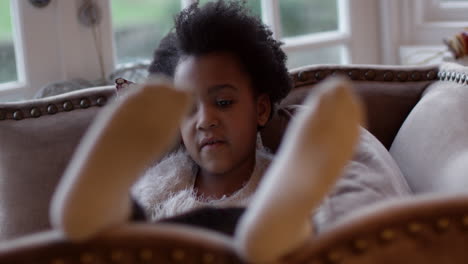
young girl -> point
(226, 65)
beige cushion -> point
(35, 151)
(371, 176)
(435, 133)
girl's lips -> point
(212, 143)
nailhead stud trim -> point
(146, 254)
(178, 255)
(431, 75)
(101, 100)
(360, 245)
(207, 258)
(18, 115)
(387, 235)
(414, 228)
(116, 255)
(415, 76)
(52, 109)
(35, 112)
(333, 257)
(402, 76)
(443, 224)
(67, 106)
(465, 221)
(302, 76)
(57, 261)
(319, 75)
(370, 75)
(85, 103)
(388, 76)
(87, 258)
(353, 74)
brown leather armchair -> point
(416, 112)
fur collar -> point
(166, 189)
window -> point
(50, 44)
(302, 17)
(140, 25)
(419, 27)
(314, 31)
(7, 49)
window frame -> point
(417, 23)
(66, 45)
(70, 51)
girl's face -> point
(220, 132)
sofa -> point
(415, 112)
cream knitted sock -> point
(122, 141)
(314, 151)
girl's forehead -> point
(201, 73)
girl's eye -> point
(224, 103)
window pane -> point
(140, 25)
(299, 17)
(253, 5)
(7, 49)
(329, 55)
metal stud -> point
(353, 74)
(208, 258)
(57, 261)
(146, 254)
(453, 76)
(101, 100)
(463, 78)
(178, 255)
(431, 75)
(465, 221)
(370, 75)
(302, 76)
(67, 106)
(35, 112)
(388, 76)
(402, 76)
(360, 245)
(442, 76)
(447, 76)
(416, 76)
(439, 75)
(443, 224)
(116, 255)
(319, 75)
(458, 77)
(387, 235)
(333, 257)
(86, 258)
(18, 115)
(85, 103)
(414, 228)
(2, 115)
(337, 73)
(52, 109)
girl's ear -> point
(263, 109)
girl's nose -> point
(207, 118)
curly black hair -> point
(226, 26)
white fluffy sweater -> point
(167, 189)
